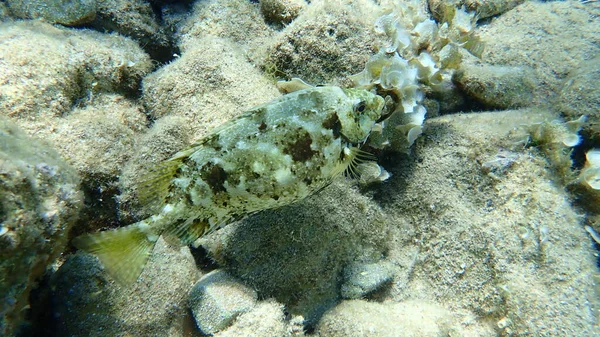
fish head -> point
(360, 114)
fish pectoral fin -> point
(353, 156)
(123, 251)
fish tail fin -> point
(122, 251)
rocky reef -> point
(478, 219)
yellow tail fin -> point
(123, 251)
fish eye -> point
(361, 106)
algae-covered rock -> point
(240, 22)
(208, 85)
(281, 12)
(135, 19)
(360, 279)
(552, 38)
(213, 80)
(497, 86)
(65, 12)
(328, 41)
(4, 12)
(97, 140)
(413, 319)
(504, 251)
(297, 254)
(217, 299)
(90, 304)
(70, 88)
(483, 8)
(52, 68)
(39, 202)
(444, 98)
(265, 319)
(580, 95)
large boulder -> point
(39, 203)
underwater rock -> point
(70, 87)
(296, 254)
(371, 319)
(281, 12)
(360, 279)
(87, 303)
(239, 22)
(217, 299)
(264, 319)
(327, 42)
(4, 12)
(500, 163)
(580, 95)
(97, 140)
(39, 203)
(137, 20)
(68, 13)
(552, 38)
(509, 247)
(483, 8)
(54, 68)
(208, 85)
(446, 96)
(497, 86)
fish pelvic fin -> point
(188, 231)
(123, 251)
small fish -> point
(270, 156)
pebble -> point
(217, 299)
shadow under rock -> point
(296, 254)
(390, 195)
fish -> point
(270, 156)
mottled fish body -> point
(268, 157)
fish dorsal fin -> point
(295, 84)
(223, 129)
(353, 156)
